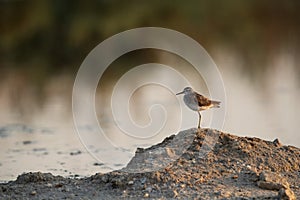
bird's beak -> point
(180, 93)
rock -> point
(269, 185)
(226, 194)
(149, 189)
(175, 193)
(98, 164)
(143, 180)
(200, 180)
(105, 179)
(27, 142)
(118, 182)
(130, 183)
(157, 175)
(39, 149)
(59, 185)
(49, 185)
(277, 143)
(272, 181)
(65, 189)
(170, 152)
(146, 195)
(235, 176)
(286, 194)
(75, 153)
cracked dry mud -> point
(232, 168)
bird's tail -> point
(216, 104)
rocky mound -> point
(231, 168)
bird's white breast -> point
(191, 101)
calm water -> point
(43, 137)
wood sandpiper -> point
(197, 102)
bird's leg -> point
(199, 119)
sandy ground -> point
(215, 166)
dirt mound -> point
(230, 167)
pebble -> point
(75, 153)
(226, 194)
(149, 189)
(146, 195)
(143, 180)
(175, 193)
(200, 180)
(235, 176)
(105, 179)
(27, 142)
(277, 143)
(130, 182)
(98, 164)
(49, 185)
(170, 152)
(58, 185)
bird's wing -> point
(203, 101)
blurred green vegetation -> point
(46, 37)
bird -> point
(197, 102)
